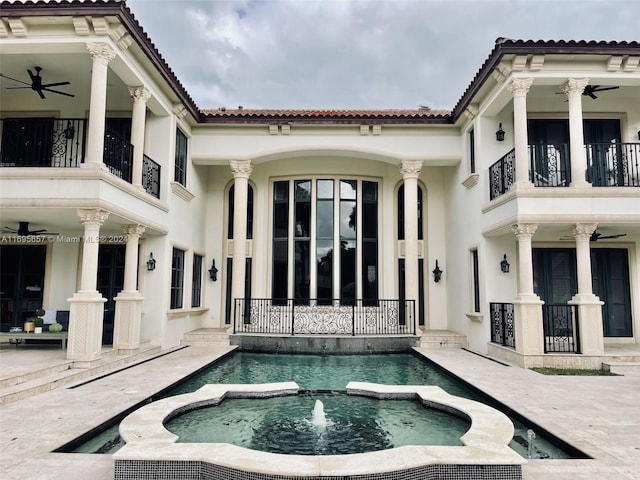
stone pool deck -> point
(599, 415)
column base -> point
(589, 323)
(86, 312)
(128, 318)
(527, 324)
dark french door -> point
(21, 283)
(111, 260)
(555, 282)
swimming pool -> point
(333, 372)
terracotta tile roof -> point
(506, 46)
(243, 115)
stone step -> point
(45, 379)
(204, 337)
(443, 339)
(621, 367)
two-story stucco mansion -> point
(512, 220)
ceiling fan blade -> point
(40, 93)
(37, 232)
(58, 92)
(612, 236)
(590, 94)
(598, 89)
(55, 84)
(16, 88)
(15, 80)
(32, 76)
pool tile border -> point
(151, 449)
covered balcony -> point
(62, 143)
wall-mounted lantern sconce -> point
(437, 273)
(504, 265)
(69, 132)
(213, 271)
(638, 134)
(500, 133)
(151, 263)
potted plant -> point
(39, 321)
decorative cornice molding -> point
(471, 111)
(121, 37)
(81, 26)
(101, 52)
(241, 168)
(179, 110)
(519, 87)
(18, 27)
(100, 26)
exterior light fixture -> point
(638, 134)
(213, 271)
(504, 265)
(69, 132)
(437, 273)
(151, 263)
(500, 133)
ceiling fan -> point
(37, 85)
(590, 90)
(23, 230)
(595, 236)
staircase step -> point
(204, 337)
(44, 380)
(621, 367)
(443, 339)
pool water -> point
(333, 372)
(286, 425)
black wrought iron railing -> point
(613, 164)
(355, 317)
(43, 142)
(502, 174)
(549, 165)
(118, 154)
(560, 325)
(151, 176)
(502, 327)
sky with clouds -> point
(356, 54)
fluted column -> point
(128, 314)
(86, 307)
(589, 306)
(140, 96)
(519, 88)
(410, 172)
(528, 328)
(241, 172)
(101, 54)
(574, 88)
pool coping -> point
(484, 444)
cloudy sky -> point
(356, 54)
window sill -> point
(475, 317)
(182, 192)
(186, 312)
(471, 180)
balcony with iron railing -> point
(608, 165)
(62, 143)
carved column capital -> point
(583, 231)
(94, 217)
(410, 168)
(133, 230)
(519, 87)
(524, 231)
(241, 168)
(575, 86)
(139, 94)
(101, 52)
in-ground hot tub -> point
(151, 451)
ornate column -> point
(101, 55)
(241, 172)
(528, 328)
(86, 307)
(589, 306)
(410, 171)
(140, 96)
(519, 87)
(574, 88)
(128, 315)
